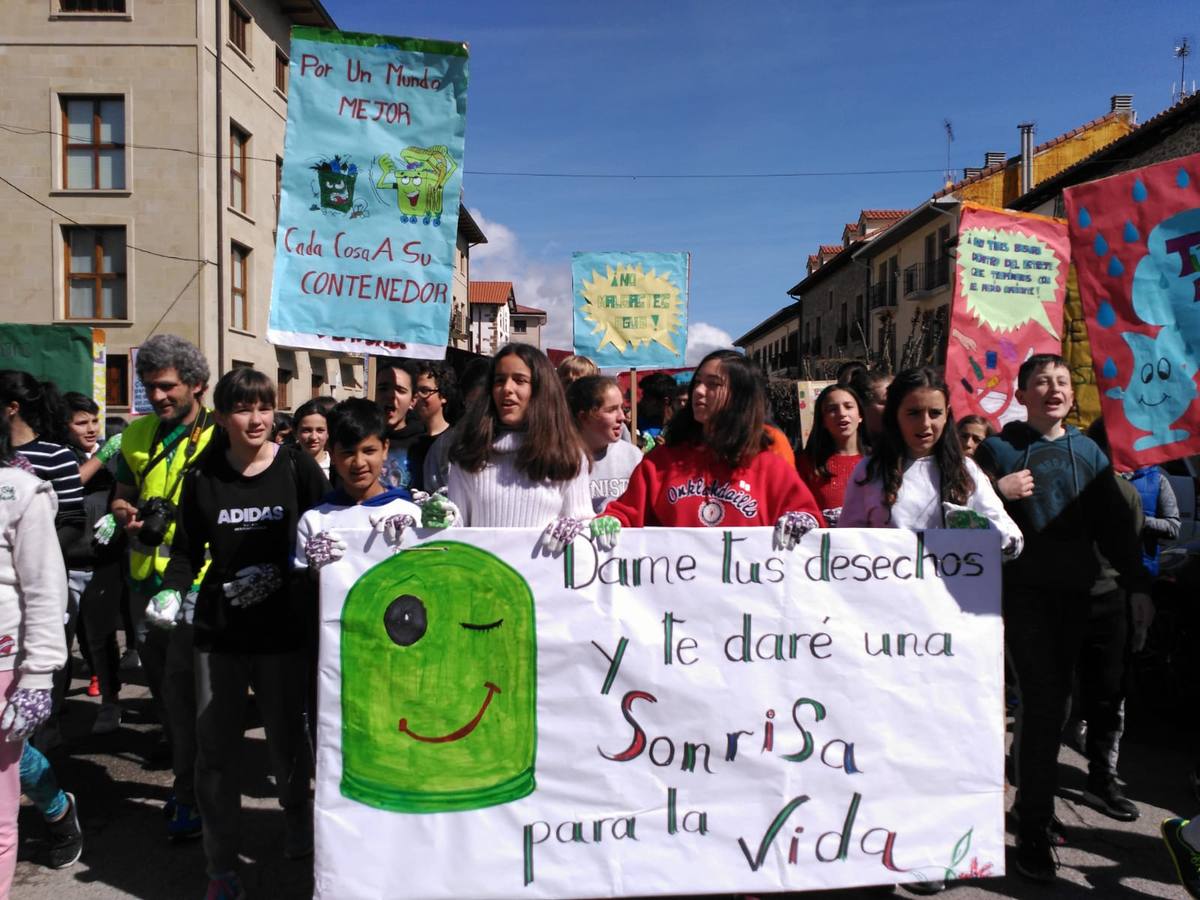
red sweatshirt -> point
(689, 486)
(828, 491)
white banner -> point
(693, 713)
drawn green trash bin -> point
(336, 178)
(439, 682)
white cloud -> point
(703, 339)
(544, 285)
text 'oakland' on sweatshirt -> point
(689, 486)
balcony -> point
(882, 295)
(926, 277)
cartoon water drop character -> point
(419, 180)
(1161, 387)
(439, 682)
(1166, 283)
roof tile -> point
(495, 293)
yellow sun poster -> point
(1009, 285)
(631, 308)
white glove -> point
(253, 584)
(163, 609)
(27, 709)
(323, 548)
(605, 531)
(392, 527)
(104, 529)
(832, 516)
(437, 510)
(559, 533)
(791, 527)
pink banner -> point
(1009, 284)
(1136, 239)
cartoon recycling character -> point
(439, 682)
(1161, 387)
(419, 180)
(335, 179)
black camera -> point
(156, 515)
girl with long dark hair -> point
(519, 460)
(917, 476)
(834, 448)
(596, 407)
(714, 468)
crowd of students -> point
(199, 530)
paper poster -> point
(692, 713)
(1136, 241)
(63, 354)
(372, 174)
(806, 400)
(139, 401)
(631, 308)
(1010, 278)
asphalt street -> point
(126, 854)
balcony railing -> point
(882, 294)
(922, 278)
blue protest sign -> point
(631, 308)
(372, 172)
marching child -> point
(1071, 506)
(242, 500)
(596, 407)
(834, 448)
(917, 476)
(519, 461)
(714, 468)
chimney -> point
(1026, 156)
(993, 159)
(1121, 103)
(971, 172)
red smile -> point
(459, 733)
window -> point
(239, 142)
(283, 381)
(95, 272)
(93, 130)
(239, 271)
(239, 27)
(518, 326)
(281, 71)
(116, 379)
(242, 364)
(318, 382)
(278, 186)
(92, 6)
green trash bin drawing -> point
(439, 682)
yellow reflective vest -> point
(164, 479)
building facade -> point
(492, 304)
(149, 137)
(774, 343)
(527, 324)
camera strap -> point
(193, 436)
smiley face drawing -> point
(439, 682)
(1161, 387)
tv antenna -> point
(1183, 49)
(949, 140)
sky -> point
(760, 87)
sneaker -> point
(184, 823)
(1036, 859)
(93, 688)
(225, 887)
(130, 661)
(1109, 800)
(108, 719)
(1056, 831)
(66, 837)
(1186, 859)
(925, 888)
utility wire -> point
(93, 229)
(30, 132)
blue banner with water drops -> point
(1135, 240)
(372, 173)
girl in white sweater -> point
(519, 461)
(918, 476)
